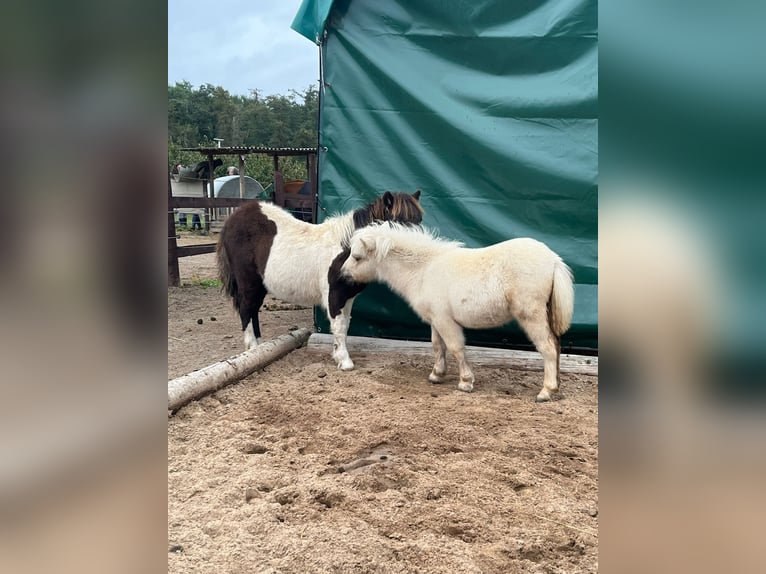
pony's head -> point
(398, 207)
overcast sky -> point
(240, 45)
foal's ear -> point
(368, 246)
(388, 200)
(416, 195)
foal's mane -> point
(403, 238)
(401, 207)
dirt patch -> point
(304, 468)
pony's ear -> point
(416, 195)
(388, 200)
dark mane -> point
(400, 207)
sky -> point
(240, 45)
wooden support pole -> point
(216, 376)
(241, 175)
(513, 359)
(279, 189)
(211, 192)
(311, 160)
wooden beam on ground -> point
(521, 360)
(216, 376)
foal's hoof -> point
(544, 396)
(346, 365)
(465, 386)
(435, 379)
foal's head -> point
(367, 248)
(399, 207)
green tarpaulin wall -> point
(490, 107)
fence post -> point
(174, 276)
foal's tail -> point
(562, 298)
(228, 281)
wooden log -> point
(216, 376)
(521, 360)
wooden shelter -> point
(283, 196)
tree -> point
(198, 115)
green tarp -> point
(311, 17)
(489, 107)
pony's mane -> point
(343, 223)
(404, 208)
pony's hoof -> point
(543, 398)
(465, 386)
(435, 379)
(346, 365)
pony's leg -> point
(249, 307)
(538, 331)
(339, 327)
(452, 335)
(440, 352)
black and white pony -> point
(264, 249)
(451, 287)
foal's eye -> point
(356, 258)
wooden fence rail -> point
(207, 202)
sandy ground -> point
(303, 468)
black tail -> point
(228, 281)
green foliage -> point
(197, 116)
(205, 282)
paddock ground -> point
(303, 468)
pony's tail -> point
(562, 298)
(228, 281)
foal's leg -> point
(452, 335)
(440, 352)
(339, 327)
(535, 325)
